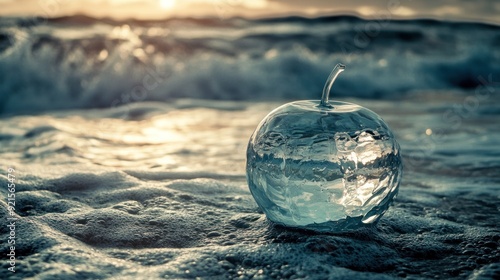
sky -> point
(480, 10)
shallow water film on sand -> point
(164, 195)
(123, 147)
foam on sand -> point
(121, 204)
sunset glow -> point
(482, 10)
(167, 4)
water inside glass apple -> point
(321, 165)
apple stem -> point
(328, 85)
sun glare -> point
(167, 4)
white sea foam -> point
(60, 65)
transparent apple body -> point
(332, 169)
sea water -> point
(115, 182)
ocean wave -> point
(82, 62)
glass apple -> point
(324, 166)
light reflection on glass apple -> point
(323, 165)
